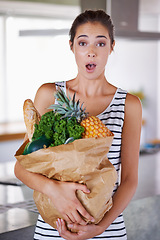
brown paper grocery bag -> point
(83, 161)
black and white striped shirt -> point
(113, 118)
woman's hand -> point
(80, 232)
(63, 196)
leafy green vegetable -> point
(57, 129)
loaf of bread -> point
(31, 116)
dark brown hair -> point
(92, 16)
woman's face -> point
(91, 48)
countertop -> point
(142, 219)
(17, 224)
(10, 131)
(18, 213)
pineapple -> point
(69, 108)
(94, 128)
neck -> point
(90, 87)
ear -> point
(112, 47)
(71, 45)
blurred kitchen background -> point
(34, 49)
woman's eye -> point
(101, 44)
(82, 44)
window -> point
(29, 60)
(2, 59)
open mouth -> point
(90, 66)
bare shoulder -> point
(133, 113)
(44, 97)
(133, 105)
(46, 88)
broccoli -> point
(57, 129)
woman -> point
(92, 41)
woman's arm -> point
(67, 204)
(129, 174)
(129, 158)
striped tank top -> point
(113, 118)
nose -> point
(91, 54)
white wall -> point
(134, 66)
(158, 89)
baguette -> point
(31, 116)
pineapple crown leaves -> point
(68, 107)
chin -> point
(94, 76)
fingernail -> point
(70, 225)
(92, 220)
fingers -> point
(71, 218)
(77, 232)
(85, 214)
(82, 187)
(78, 218)
(77, 227)
(80, 208)
(64, 232)
(74, 217)
(69, 206)
(68, 219)
(61, 226)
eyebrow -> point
(99, 36)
